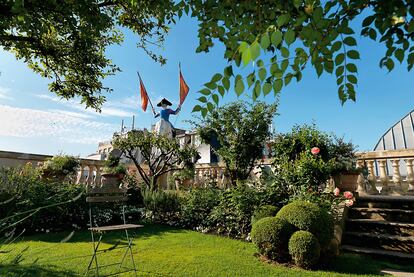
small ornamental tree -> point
(159, 153)
(241, 132)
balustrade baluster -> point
(372, 178)
(361, 178)
(396, 176)
(410, 174)
(383, 176)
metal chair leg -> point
(94, 256)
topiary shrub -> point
(271, 236)
(309, 217)
(264, 211)
(304, 249)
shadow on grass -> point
(113, 237)
(32, 270)
(363, 264)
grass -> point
(165, 251)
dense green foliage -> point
(112, 165)
(160, 153)
(282, 38)
(163, 205)
(271, 236)
(67, 40)
(59, 166)
(263, 211)
(304, 249)
(241, 132)
(308, 216)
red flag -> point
(183, 89)
(144, 95)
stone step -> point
(378, 252)
(387, 214)
(379, 227)
(380, 241)
(385, 201)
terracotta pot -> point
(346, 181)
(110, 180)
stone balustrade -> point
(89, 171)
(390, 172)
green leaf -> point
(352, 79)
(282, 20)
(243, 46)
(297, 3)
(277, 85)
(267, 87)
(368, 20)
(290, 37)
(226, 83)
(288, 78)
(329, 65)
(202, 99)
(216, 78)
(399, 54)
(256, 91)
(204, 112)
(339, 59)
(196, 108)
(210, 107)
(285, 52)
(389, 64)
(353, 54)
(250, 79)
(336, 46)
(260, 63)
(340, 80)
(255, 50)
(265, 41)
(351, 67)
(410, 27)
(319, 69)
(339, 70)
(221, 90)
(228, 71)
(246, 56)
(284, 65)
(211, 85)
(350, 41)
(215, 98)
(276, 37)
(262, 73)
(239, 87)
(205, 91)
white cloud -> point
(26, 123)
(4, 93)
(116, 108)
(69, 113)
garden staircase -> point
(381, 225)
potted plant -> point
(113, 172)
(344, 171)
(183, 177)
(59, 167)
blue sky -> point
(36, 121)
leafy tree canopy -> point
(241, 132)
(154, 155)
(66, 40)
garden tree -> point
(161, 154)
(241, 132)
(66, 40)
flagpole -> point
(149, 99)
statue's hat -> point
(164, 101)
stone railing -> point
(216, 173)
(89, 171)
(390, 172)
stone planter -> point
(110, 180)
(346, 181)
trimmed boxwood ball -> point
(271, 236)
(309, 217)
(304, 249)
(264, 211)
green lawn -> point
(165, 251)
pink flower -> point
(336, 191)
(315, 150)
(348, 195)
(349, 203)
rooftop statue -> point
(164, 126)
